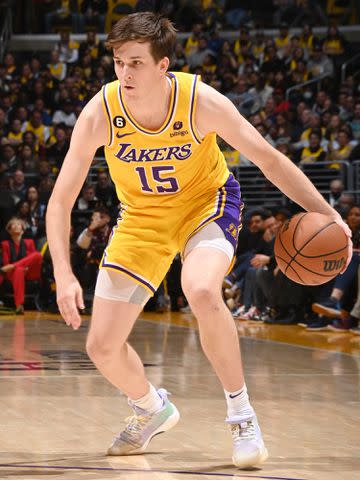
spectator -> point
(334, 43)
(336, 189)
(331, 307)
(65, 115)
(10, 66)
(17, 184)
(87, 199)
(105, 192)
(9, 162)
(355, 122)
(241, 97)
(307, 39)
(36, 126)
(197, 57)
(14, 136)
(282, 42)
(236, 14)
(56, 153)
(64, 11)
(345, 203)
(179, 60)
(36, 211)
(7, 202)
(192, 42)
(68, 49)
(91, 46)
(272, 62)
(23, 212)
(3, 122)
(342, 151)
(45, 185)
(57, 68)
(20, 261)
(35, 66)
(39, 104)
(261, 93)
(93, 240)
(93, 12)
(28, 161)
(314, 152)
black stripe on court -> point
(140, 470)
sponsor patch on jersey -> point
(119, 121)
(178, 132)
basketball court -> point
(58, 414)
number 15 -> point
(172, 184)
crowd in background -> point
(42, 94)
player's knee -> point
(200, 294)
(100, 351)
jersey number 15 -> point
(164, 184)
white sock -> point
(151, 402)
(238, 403)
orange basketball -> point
(311, 249)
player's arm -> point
(90, 132)
(216, 113)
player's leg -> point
(117, 304)
(207, 259)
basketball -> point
(310, 248)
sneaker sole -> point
(325, 328)
(327, 311)
(331, 328)
(355, 332)
(167, 425)
(264, 455)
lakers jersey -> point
(170, 166)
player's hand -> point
(70, 299)
(348, 233)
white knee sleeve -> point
(210, 236)
(116, 286)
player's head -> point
(142, 45)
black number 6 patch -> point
(119, 121)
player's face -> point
(136, 69)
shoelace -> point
(133, 427)
(135, 423)
(243, 431)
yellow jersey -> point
(167, 167)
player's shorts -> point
(144, 242)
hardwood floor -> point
(58, 415)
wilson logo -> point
(331, 265)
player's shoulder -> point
(209, 98)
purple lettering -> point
(172, 151)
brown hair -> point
(145, 27)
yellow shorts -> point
(144, 243)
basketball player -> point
(159, 131)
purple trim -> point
(196, 77)
(207, 220)
(170, 117)
(129, 470)
(133, 275)
(109, 117)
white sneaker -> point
(142, 427)
(248, 445)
